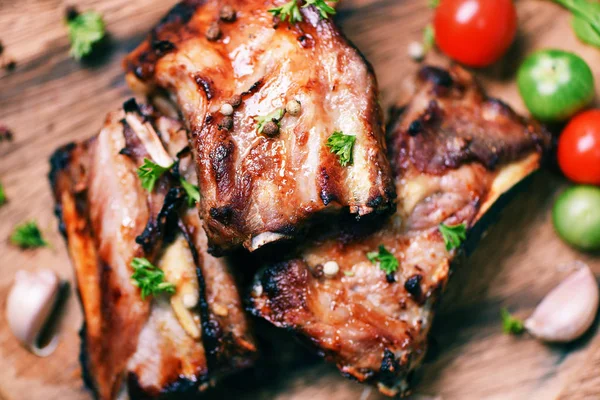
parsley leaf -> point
(324, 9)
(453, 235)
(2, 195)
(433, 3)
(510, 324)
(342, 145)
(289, 11)
(387, 262)
(149, 172)
(85, 30)
(274, 116)
(149, 278)
(192, 191)
(28, 236)
(428, 37)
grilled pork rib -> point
(454, 152)
(164, 344)
(258, 188)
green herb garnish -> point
(28, 236)
(387, 262)
(149, 172)
(586, 19)
(428, 38)
(274, 116)
(324, 9)
(291, 12)
(433, 3)
(192, 191)
(510, 324)
(149, 278)
(342, 145)
(2, 195)
(453, 235)
(85, 30)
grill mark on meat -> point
(389, 368)
(162, 47)
(222, 214)
(253, 89)
(205, 84)
(134, 148)
(328, 186)
(162, 228)
(222, 164)
(210, 329)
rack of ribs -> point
(454, 152)
(259, 186)
(160, 345)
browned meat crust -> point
(107, 218)
(258, 189)
(455, 151)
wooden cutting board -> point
(49, 100)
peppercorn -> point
(227, 14)
(214, 32)
(226, 123)
(271, 129)
(293, 107)
(226, 109)
(235, 101)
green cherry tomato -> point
(576, 217)
(555, 84)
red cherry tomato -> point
(475, 32)
(579, 148)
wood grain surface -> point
(50, 99)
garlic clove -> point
(30, 302)
(568, 310)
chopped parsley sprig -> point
(510, 324)
(453, 235)
(387, 262)
(149, 172)
(28, 236)
(324, 9)
(192, 191)
(290, 11)
(149, 278)
(85, 30)
(342, 145)
(2, 195)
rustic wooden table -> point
(50, 99)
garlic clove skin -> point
(28, 306)
(568, 311)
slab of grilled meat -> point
(165, 344)
(259, 187)
(454, 152)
